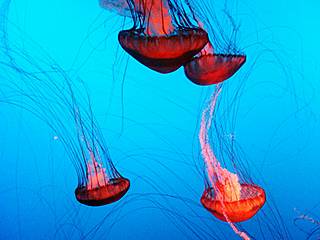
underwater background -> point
(150, 122)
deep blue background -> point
(153, 139)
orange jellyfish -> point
(159, 40)
(225, 197)
(70, 116)
(99, 181)
(99, 189)
(234, 208)
(209, 68)
(68, 113)
(220, 59)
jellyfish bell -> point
(98, 188)
(208, 67)
(252, 198)
(164, 53)
(157, 39)
(99, 181)
(110, 192)
(213, 68)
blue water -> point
(150, 122)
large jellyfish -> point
(220, 59)
(225, 196)
(163, 37)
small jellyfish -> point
(98, 188)
(69, 115)
(99, 182)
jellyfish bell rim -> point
(205, 76)
(244, 216)
(146, 50)
(87, 197)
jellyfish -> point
(45, 89)
(220, 59)
(225, 196)
(163, 37)
(98, 188)
(208, 68)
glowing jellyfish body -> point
(252, 198)
(99, 188)
(110, 192)
(226, 198)
(212, 68)
(156, 42)
(164, 53)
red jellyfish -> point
(99, 181)
(225, 197)
(66, 109)
(220, 59)
(209, 68)
(163, 37)
(98, 189)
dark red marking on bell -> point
(252, 199)
(213, 68)
(165, 53)
(114, 190)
